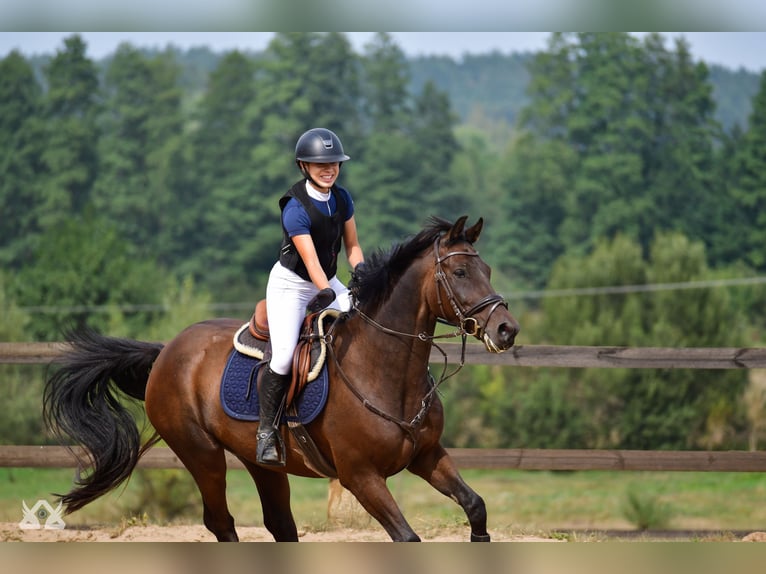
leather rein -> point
(467, 325)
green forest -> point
(139, 194)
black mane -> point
(373, 283)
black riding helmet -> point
(319, 145)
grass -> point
(646, 512)
(567, 505)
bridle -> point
(465, 318)
(467, 325)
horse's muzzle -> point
(502, 338)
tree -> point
(639, 121)
(221, 184)
(22, 144)
(749, 189)
(386, 78)
(389, 158)
(678, 152)
(536, 176)
(81, 267)
(141, 178)
(475, 170)
(725, 237)
(604, 128)
(432, 127)
(637, 408)
(335, 93)
(71, 110)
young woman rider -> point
(317, 217)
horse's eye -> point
(460, 273)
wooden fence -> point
(520, 356)
(523, 459)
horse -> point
(382, 413)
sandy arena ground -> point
(10, 532)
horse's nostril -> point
(508, 332)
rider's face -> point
(324, 174)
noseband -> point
(468, 324)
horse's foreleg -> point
(373, 494)
(274, 491)
(437, 468)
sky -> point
(730, 49)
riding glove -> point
(321, 300)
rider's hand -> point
(359, 269)
(321, 300)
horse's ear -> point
(472, 233)
(457, 229)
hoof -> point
(479, 537)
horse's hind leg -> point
(208, 467)
(437, 468)
(274, 492)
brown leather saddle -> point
(259, 322)
(253, 339)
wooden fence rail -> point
(520, 356)
(473, 458)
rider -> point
(316, 214)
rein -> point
(465, 319)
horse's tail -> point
(79, 403)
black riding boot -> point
(271, 392)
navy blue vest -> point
(326, 232)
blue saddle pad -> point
(239, 396)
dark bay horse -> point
(382, 413)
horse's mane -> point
(373, 282)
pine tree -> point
(749, 190)
(678, 151)
(390, 157)
(386, 77)
(226, 183)
(22, 144)
(71, 110)
(639, 120)
(432, 129)
(142, 154)
(535, 177)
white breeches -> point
(286, 298)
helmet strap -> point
(305, 173)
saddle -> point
(253, 339)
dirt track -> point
(197, 533)
(10, 532)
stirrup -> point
(271, 448)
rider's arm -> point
(306, 249)
(351, 242)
